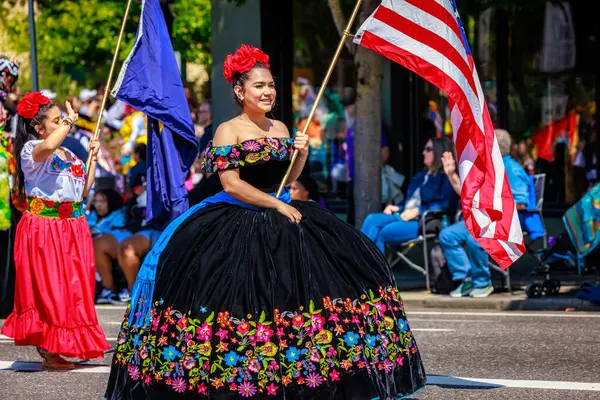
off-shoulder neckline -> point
(278, 138)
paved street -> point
(468, 355)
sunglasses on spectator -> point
(428, 149)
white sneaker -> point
(125, 296)
(106, 297)
(482, 292)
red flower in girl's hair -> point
(29, 105)
(242, 61)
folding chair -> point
(400, 251)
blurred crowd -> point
(331, 144)
(564, 149)
(116, 206)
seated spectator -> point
(524, 157)
(205, 132)
(135, 173)
(133, 249)
(132, 131)
(209, 186)
(105, 212)
(467, 261)
(429, 189)
(305, 188)
(107, 224)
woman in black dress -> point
(251, 296)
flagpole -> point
(110, 75)
(345, 35)
(33, 47)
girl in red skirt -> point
(54, 255)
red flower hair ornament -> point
(29, 105)
(242, 61)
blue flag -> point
(151, 83)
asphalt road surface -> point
(467, 355)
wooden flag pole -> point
(110, 75)
(345, 36)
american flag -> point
(427, 37)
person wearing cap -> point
(305, 188)
(88, 105)
(87, 97)
(49, 94)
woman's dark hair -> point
(240, 80)
(140, 149)
(440, 146)
(113, 198)
(311, 186)
(26, 132)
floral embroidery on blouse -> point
(253, 151)
(254, 354)
(75, 168)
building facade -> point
(538, 64)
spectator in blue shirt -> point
(467, 261)
(106, 219)
(430, 189)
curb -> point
(498, 302)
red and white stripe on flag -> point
(427, 37)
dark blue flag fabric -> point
(151, 83)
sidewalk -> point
(565, 301)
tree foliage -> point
(192, 30)
(76, 38)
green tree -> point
(76, 38)
(192, 30)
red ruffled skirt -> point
(54, 293)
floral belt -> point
(53, 209)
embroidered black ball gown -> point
(246, 304)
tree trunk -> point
(367, 130)
(340, 21)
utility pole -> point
(33, 47)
